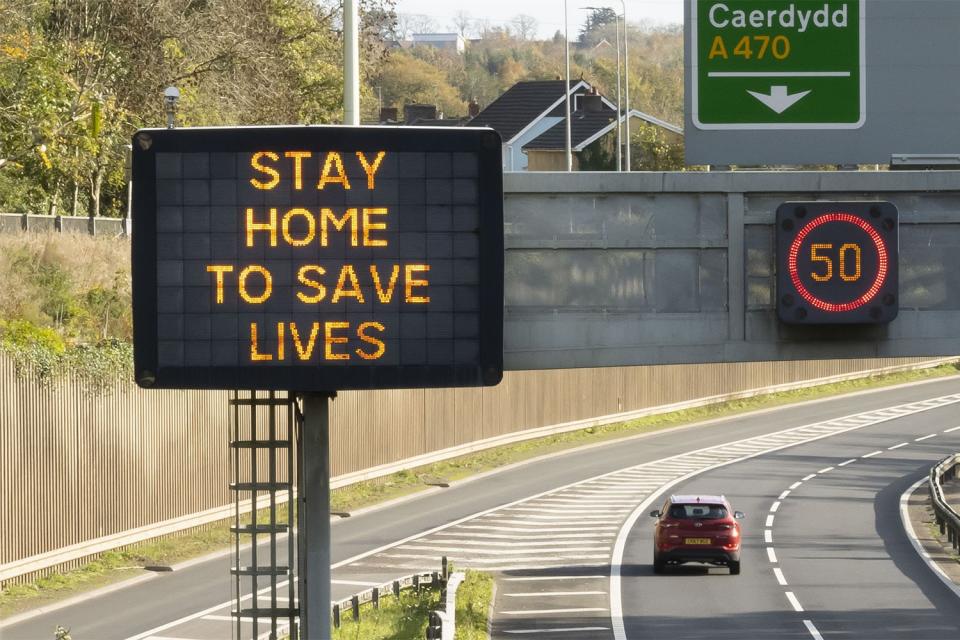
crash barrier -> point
(947, 518)
(94, 226)
(86, 472)
(443, 580)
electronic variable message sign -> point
(770, 64)
(317, 258)
(837, 262)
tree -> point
(463, 23)
(597, 20)
(407, 79)
(525, 26)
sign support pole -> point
(313, 517)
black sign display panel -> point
(837, 262)
(317, 258)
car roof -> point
(694, 499)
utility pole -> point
(351, 64)
(566, 48)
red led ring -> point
(830, 306)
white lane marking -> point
(500, 551)
(932, 435)
(537, 594)
(775, 506)
(795, 485)
(537, 612)
(912, 535)
(826, 470)
(812, 629)
(793, 601)
(950, 430)
(499, 544)
(770, 518)
(809, 477)
(473, 560)
(519, 529)
(557, 629)
(783, 496)
(540, 578)
(846, 462)
(199, 614)
(768, 536)
(779, 575)
(356, 583)
(872, 453)
(771, 555)
(559, 538)
(897, 446)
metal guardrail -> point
(441, 623)
(947, 519)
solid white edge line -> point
(778, 574)
(812, 629)
(793, 601)
(616, 559)
(912, 536)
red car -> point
(697, 529)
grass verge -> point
(117, 565)
(406, 618)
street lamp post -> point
(619, 104)
(626, 80)
(566, 49)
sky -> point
(548, 13)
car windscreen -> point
(698, 511)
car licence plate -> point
(696, 541)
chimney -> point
(591, 102)
(388, 114)
(473, 109)
(414, 112)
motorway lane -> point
(835, 544)
(151, 604)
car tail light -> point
(668, 525)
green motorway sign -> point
(777, 64)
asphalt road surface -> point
(549, 529)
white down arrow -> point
(778, 99)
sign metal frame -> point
(488, 369)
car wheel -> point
(735, 568)
(658, 564)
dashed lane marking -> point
(846, 462)
(768, 536)
(770, 518)
(897, 446)
(826, 470)
(784, 495)
(793, 601)
(778, 572)
(872, 453)
(772, 555)
(775, 507)
(951, 429)
(932, 435)
(809, 477)
(795, 485)
(812, 629)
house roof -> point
(587, 127)
(521, 104)
(584, 125)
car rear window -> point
(698, 511)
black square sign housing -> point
(837, 262)
(317, 258)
